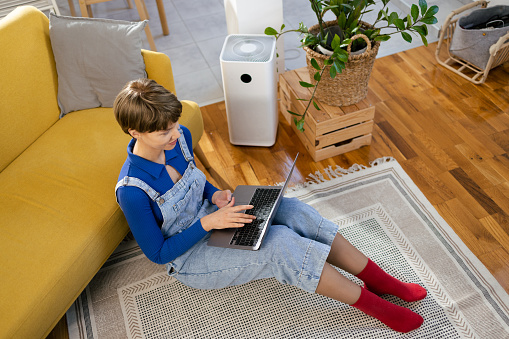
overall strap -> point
(131, 181)
(183, 146)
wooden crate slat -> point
(346, 120)
(331, 151)
(344, 134)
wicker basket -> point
(496, 54)
(350, 86)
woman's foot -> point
(398, 318)
(379, 282)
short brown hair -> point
(145, 106)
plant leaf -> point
(339, 65)
(314, 63)
(345, 42)
(382, 38)
(342, 20)
(431, 11)
(424, 40)
(431, 20)
(306, 84)
(303, 28)
(422, 30)
(299, 124)
(425, 29)
(399, 23)
(316, 106)
(332, 72)
(406, 36)
(270, 31)
(415, 12)
(317, 76)
(294, 114)
(343, 57)
(282, 27)
(392, 17)
(424, 6)
(336, 42)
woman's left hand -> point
(222, 198)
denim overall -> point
(294, 251)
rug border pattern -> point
(130, 310)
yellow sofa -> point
(59, 221)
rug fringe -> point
(331, 173)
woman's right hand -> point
(227, 217)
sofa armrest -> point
(158, 67)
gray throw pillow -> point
(95, 58)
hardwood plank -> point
(469, 228)
(398, 140)
(475, 191)
(433, 151)
(497, 262)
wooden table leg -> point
(162, 17)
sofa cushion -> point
(28, 106)
(95, 58)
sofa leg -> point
(217, 177)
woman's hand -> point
(228, 216)
(222, 198)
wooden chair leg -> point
(143, 16)
(71, 7)
(83, 9)
(129, 4)
(145, 9)
(162, 17)
(217, 177)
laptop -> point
(266, 200)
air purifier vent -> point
(248, 48)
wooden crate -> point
(331, 130)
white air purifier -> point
(248, 68)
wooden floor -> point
(450, 136)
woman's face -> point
(161, 140)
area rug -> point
(379, 209)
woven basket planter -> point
(350, 86)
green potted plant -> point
(340, 53)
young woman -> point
(171, 209)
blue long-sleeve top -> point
(144, 216)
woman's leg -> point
(334, 285)
(345, 256)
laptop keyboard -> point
(263, 200)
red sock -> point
(379, 282)
(398, 318)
